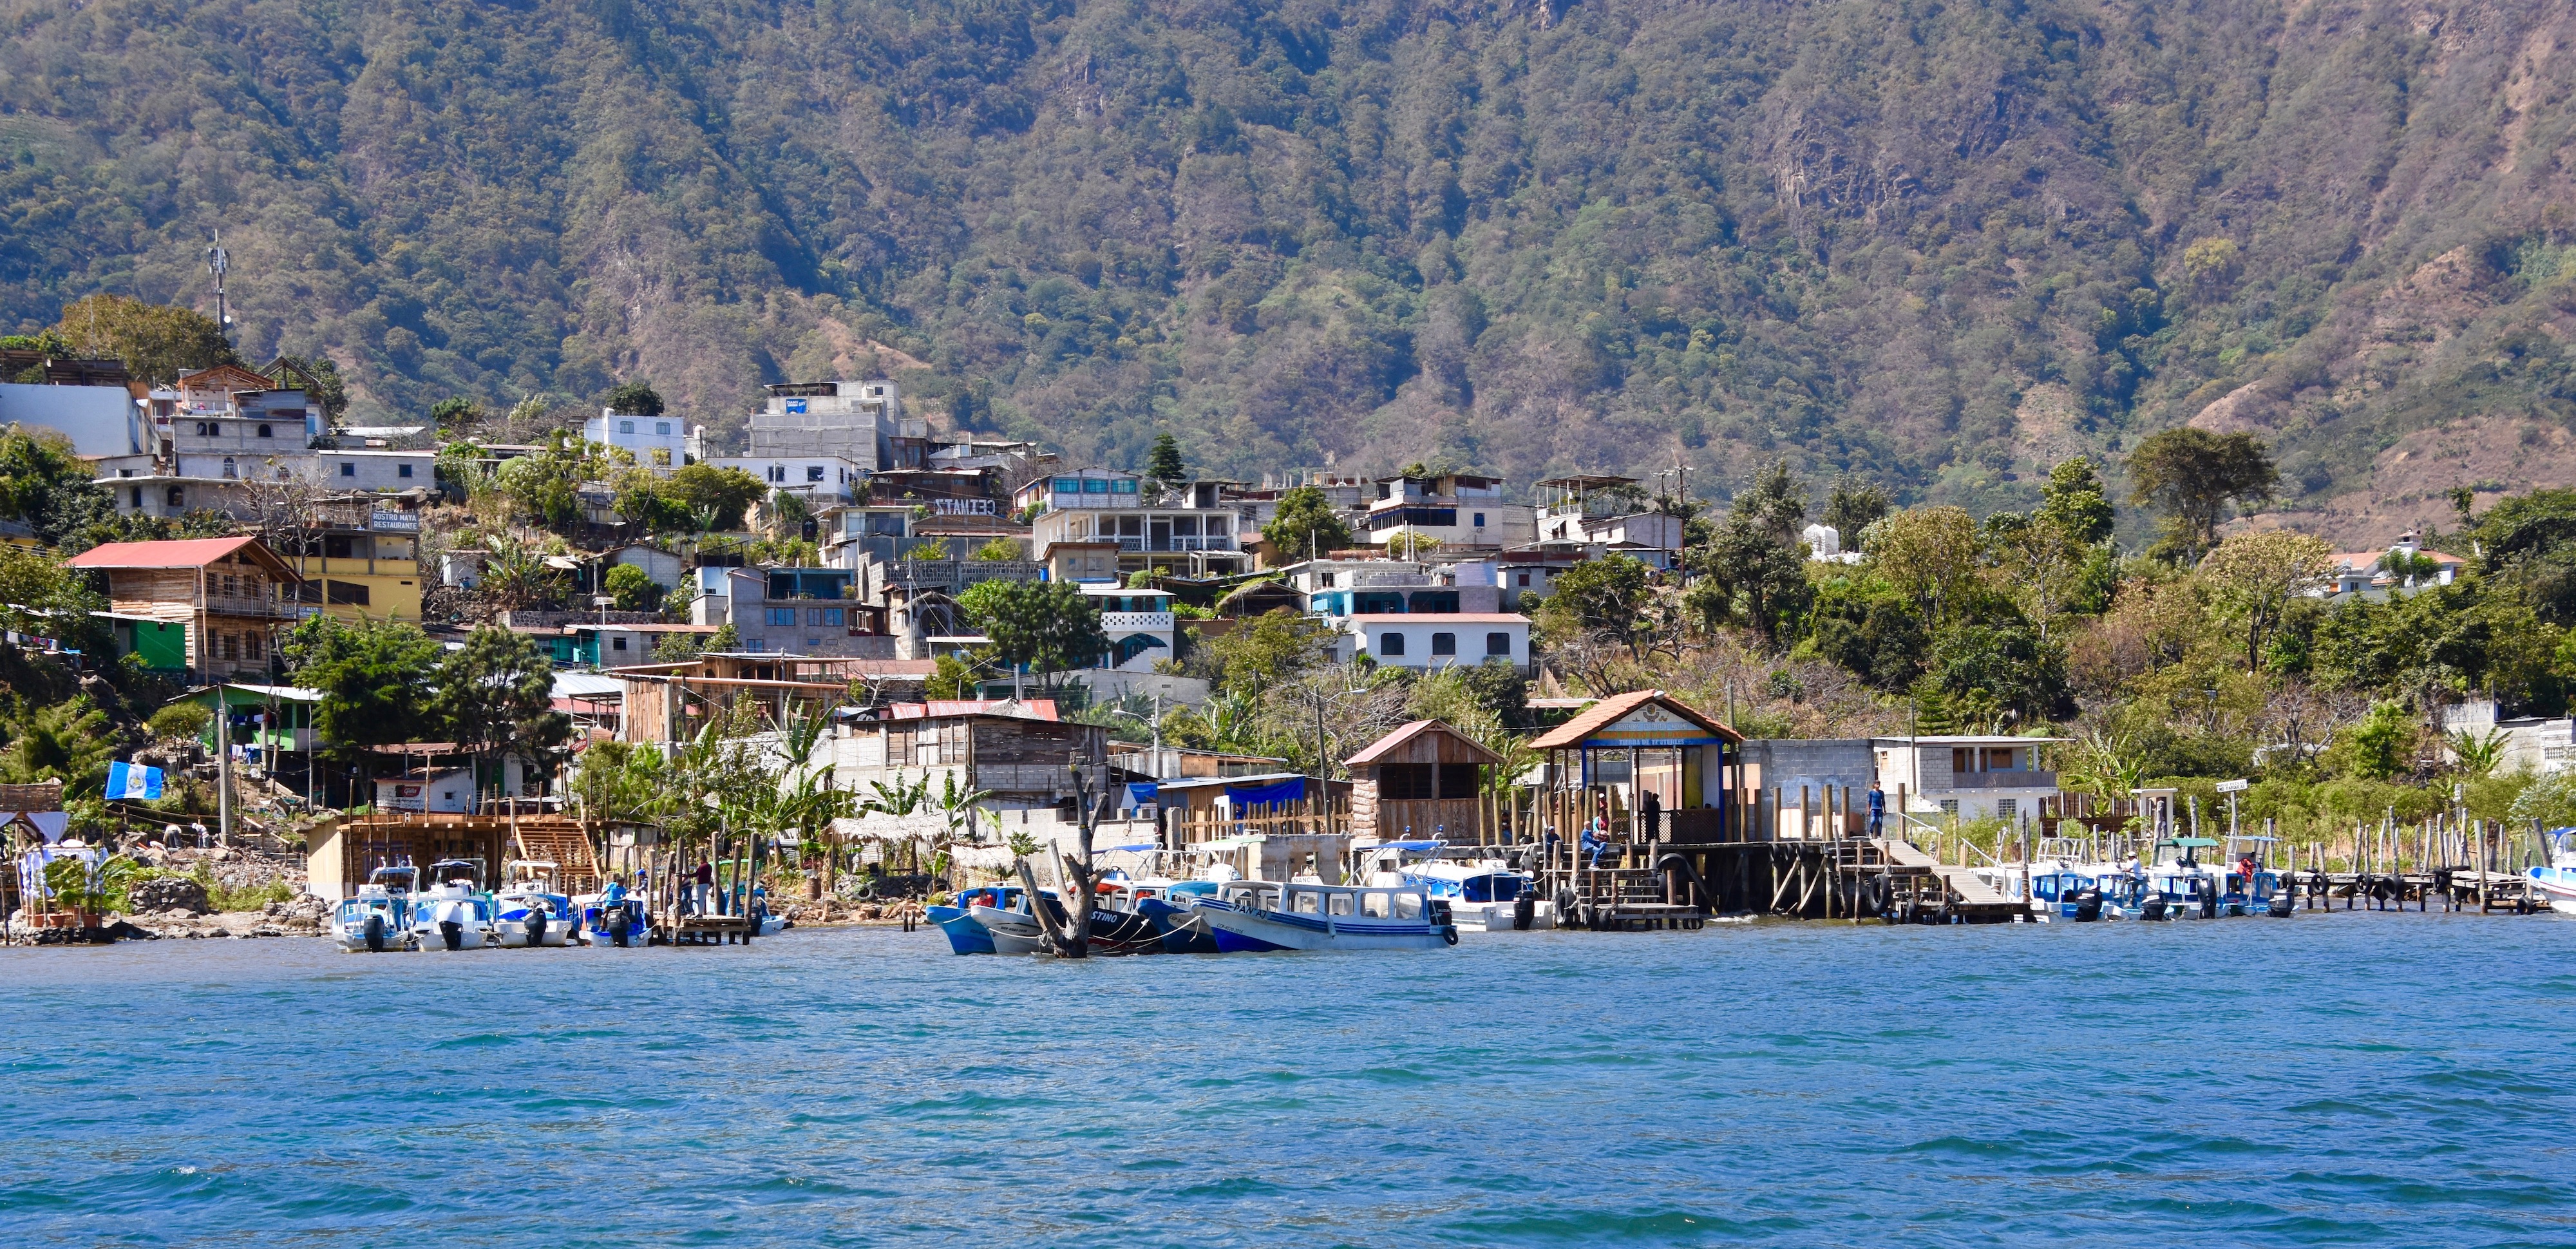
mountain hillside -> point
(1937, 244)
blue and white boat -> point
(615, 917)
(530, 911)
(2067, 894)
(379, 918)
(957, 921)
(1483, 894)
(1329, 917)
(2556, 883)
(452, 913)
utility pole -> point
(218, 262)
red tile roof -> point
(1611, 710)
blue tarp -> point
(1417, 847)
(1277, 793)
(1141, 792)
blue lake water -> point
(2327, 1079)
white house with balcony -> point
(820, 478)
(1187, 527)
(1968, 776)
(1138, 622)
(1454, 509)
(660, 443)
(1428, 641)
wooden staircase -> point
(565, 844)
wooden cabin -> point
(1425, 779)
(342, 854)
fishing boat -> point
(2249, 887)
(379, 918)
(1013, 929)
(957, 920)
(2556, 883)
(451, 913)
(1484, 894)
(614, 917)
(1331, 917)
(2187, 887)
(2064, 893)
(530, 912)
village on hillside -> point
(260, 658)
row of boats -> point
(2061, 884)
(1408, 898)
(446, 908)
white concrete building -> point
(1454, 509)
(1435, 640)
(821, 479)
(1138, 622)
(1972, 777)
(661, 443)
(856, 421)
(1189, 527)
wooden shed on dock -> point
(1629, 748)
(1425, 779)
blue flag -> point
(124, 780)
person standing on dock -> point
(1877, 809)
(706, 881)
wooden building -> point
(1643, 758)
(1425, 779)
(201, 608)
(341, 855)
(1020, 752)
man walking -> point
(1877, 809)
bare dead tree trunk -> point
(1073, 940)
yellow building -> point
(354, 573)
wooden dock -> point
(1639, 888)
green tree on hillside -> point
(1163, 463)
(1306, 524)
(157, 342)
(2197, 479)
(635, 398)
(496, 697)
(1043, 626)
(374, 677)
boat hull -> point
(1499, 916)
(1013, 932)
(2556, 886)
(965, 936)
(1276, 930)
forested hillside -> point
(1943, 245)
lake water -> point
(2328, 1079)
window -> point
(1374, 905)
(345, 593)
(1326, 581)
(626, 427)
(1305, 903)
(402, 470)
(1094, 485)
(1068, 485)
(1408, 906)
(1390, 644)
(228, 645)
(782, 617)
(823, 616)
(1963, 759)
(1524, 581)
(231, 586)
(778, 472)
(138, 498)
(229, 474)
(617, 643)
(1480, 520)
(1339, 904)
(1444, 643)
(251, 650)
(348, 470)
(2007, 808)
(1498, 644)
(662, 428)
(754, 646)
(813, 472)
(1122, 486)
(1404, 782)
(811, 643)
(178, 497)
(263, 431)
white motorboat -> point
(1311, 916)
(379, 918)
(530, 912)
(451, 914)
(2556, 883)
(1014, 931)
(614, 917)
(1483, 894)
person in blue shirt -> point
(1877, 809)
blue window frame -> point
(782, 616)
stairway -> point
(564, 844)
(1964, 884)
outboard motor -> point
(2153, 908)
(2279, 905)
(536, 926)
(375, 932)
(452, 933)
(2208, 899)
(1524, 912)
(615, 918)
(2088, 906)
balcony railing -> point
(1221, 542)
(265, 608)
(1137, 621)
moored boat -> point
(379, 918)
(958, 923)
(530, 912)
(2556, 883)
(1330, 917)
(614, 917)
(452, 913)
